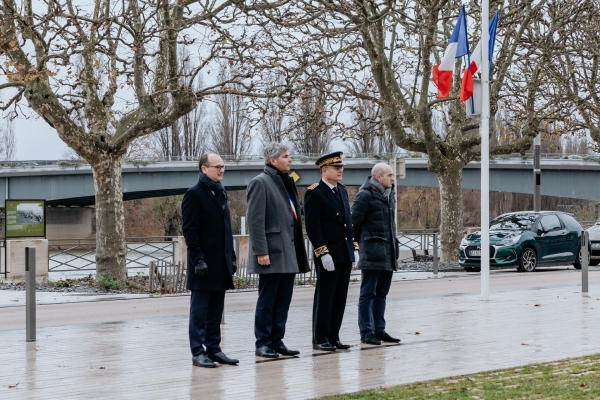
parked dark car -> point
(527, 240)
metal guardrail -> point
(74, 255)
(256, 157)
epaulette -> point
(314, 185)
(340, 183)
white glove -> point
(355, 263)
(327, 262)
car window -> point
(550, 223)
(513, 222)
(571, 223)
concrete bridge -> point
(64, 185)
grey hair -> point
(274, 150)
(377, 170)
(204, 160)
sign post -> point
(585, 238)
(399, 169)
(30, 294)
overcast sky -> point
(36, 140)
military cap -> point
(333, 159)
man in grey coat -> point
(375, 229)
(276, 251)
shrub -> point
(107, 282)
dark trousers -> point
(330, 302)
(374, 288)
(274, 298)
(206, 311)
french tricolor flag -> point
(458, 46)
(466, 90)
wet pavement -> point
(530, 318)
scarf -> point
(216, 187)
(288, 182)
(384, 191)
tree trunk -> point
(451, 229)
(111, 249)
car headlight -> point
(464, 242)
(509, 240)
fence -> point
(75, 256)
(243, 280)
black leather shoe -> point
(221, 358)
(370, 339)
(266, 351)
(324, 347)
(284, 351)
(384, 337)
(203, 361)
(341, 346)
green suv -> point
(526, 240)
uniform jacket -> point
(329, 223)
(271, 226)
(375, 228)
(207, 230)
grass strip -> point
(573, 378)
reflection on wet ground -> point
(441, 336)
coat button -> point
(344, 224)
(345, 238)
(337, 213)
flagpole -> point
(485, 152)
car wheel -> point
(577, 263)
(528, 260)
(472, 269)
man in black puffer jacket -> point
(375, 230)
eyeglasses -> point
(218, 167)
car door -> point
(552, 239)
(573, 235)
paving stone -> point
(441, 336)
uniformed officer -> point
(329, 228)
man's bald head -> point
(383, 174)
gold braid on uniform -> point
(314, 185)
(355, 246)
(319, 251)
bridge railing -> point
(255, 157)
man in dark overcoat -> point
(375, 228)
(329, 229)
(276, 250)
(206, 224)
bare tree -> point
(308, 127)
(371, 135)
(129, 84)
(393, 44)
(577, 68)
(187, 138)
(230, 129)
(273, 127)
(8, 141)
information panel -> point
(25, 218)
